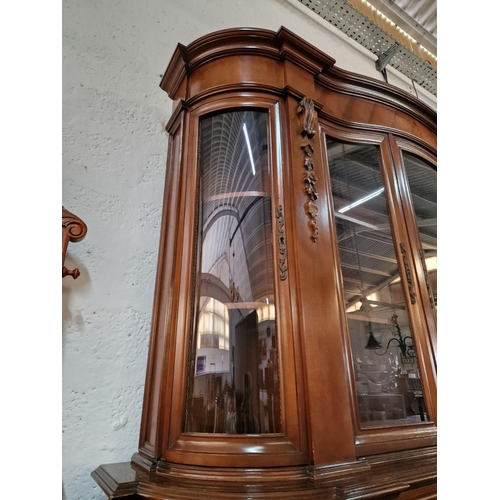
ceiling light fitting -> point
(249, 148)
(362, 200)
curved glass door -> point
(387, 376)
(422, 181)
(233, 384)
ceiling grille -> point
(368, 34)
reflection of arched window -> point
(266, 313)
(213, 325)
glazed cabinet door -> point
(385, 323)
(418, 184)
(233, 384)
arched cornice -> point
(283, 47)
(346, 82)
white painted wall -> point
(114, 151)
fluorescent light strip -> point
(249, 148)
(362, 200)
(398, 28)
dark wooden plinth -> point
(395, 476)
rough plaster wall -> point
(114, 151)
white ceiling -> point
(417, 18)
(424, 12)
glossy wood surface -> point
(180, 447)
(282, 62)
(403, 476)
(322, 452)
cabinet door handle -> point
(409, 279)
(282, 243)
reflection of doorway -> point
(246, 373)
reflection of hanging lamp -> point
(372, 343)
(365, 305)
(407, 350)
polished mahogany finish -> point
(73, 229)
(318, 447)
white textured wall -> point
(114, 151)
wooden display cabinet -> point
(298, 233)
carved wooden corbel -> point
(73, 229)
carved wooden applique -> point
(73, 229)
(282, 243)
(426, 276)
(306, 107)
(409, 279)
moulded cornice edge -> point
(347, 82)
(286, 45)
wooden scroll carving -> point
(426, 275)
(409, 279)
(282, 243)
(73, 229)
(306, 107)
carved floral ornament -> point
(282, 243)
(306, 108)
(426, 276)
(409, 279)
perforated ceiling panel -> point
(368, 34)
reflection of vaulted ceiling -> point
(424, 197)
(236, 212)
(236, 206)
(364, 235)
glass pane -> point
(387, 377)
(234, 387)
(422, 178)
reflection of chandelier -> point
(378, 371)
(234, 292)
(407, 350)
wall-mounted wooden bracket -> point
(73, 229)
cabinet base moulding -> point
(405, 480)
